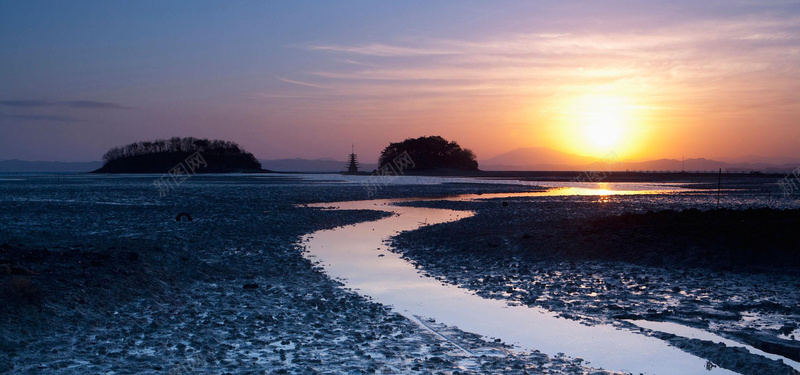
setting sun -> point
(596, 124)
(603, 120)
(604, 129)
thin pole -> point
(719, 186)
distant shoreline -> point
(555, 176)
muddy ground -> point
(97, 276)
(605, 259)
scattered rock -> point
(182, 215)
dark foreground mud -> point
(606, 260)
(98, 277)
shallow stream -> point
(358, 256)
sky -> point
(307, 79)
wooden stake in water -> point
(719, 186)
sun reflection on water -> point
(604, 194)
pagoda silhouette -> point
(352, 166)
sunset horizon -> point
(661, 80)
(400, 187)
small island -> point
(162, 155)
(432, 153)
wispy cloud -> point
(48, 118)
(300, 83)
(27, 103)
(84, 104)
(382, 50)
(88, 104)
(709, 58)
(680, 75)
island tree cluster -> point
(174, 144)
(433, 152)
(160, 155)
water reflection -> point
(603, 190)
(358, 255)
(685, 331)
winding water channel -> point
(358, 256)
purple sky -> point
(645, 79)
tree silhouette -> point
(173, 145)
(160, 155)
(430, 153)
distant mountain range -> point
(22, 166)
(546, 159)
(535, 158)
(316, 165)
(522, 159)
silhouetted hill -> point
(190, 155)
(546, 159)
(536, 158)
(428, 153)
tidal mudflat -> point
(571, 255)
(99, 277)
